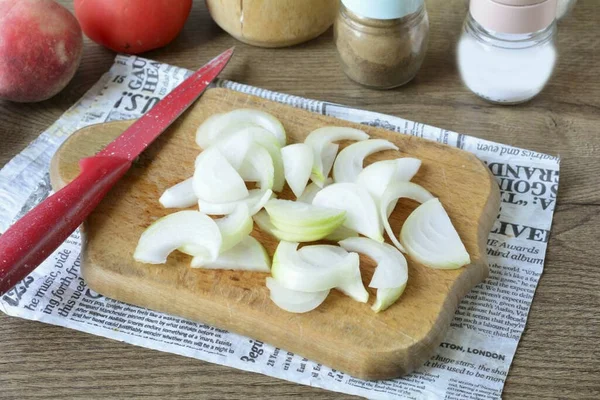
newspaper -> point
(471, 363)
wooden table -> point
(558, 357)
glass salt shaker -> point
(564, 7)
(381, 43)
(507, 51)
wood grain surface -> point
(342, 333)
(558, 356)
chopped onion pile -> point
(249, 146)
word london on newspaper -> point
(473, 360)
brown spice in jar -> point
(381, 53)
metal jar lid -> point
(383, 9)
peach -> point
(40, 49)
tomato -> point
(132, 26)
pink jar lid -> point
(514, 16)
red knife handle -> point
(27, 243)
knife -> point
(27, 243)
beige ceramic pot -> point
(274, 23)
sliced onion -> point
(183, 228)
(292, 234)
(235, 226)
(215, 180)
(248, 255)
(214, 126)
(180, 195)
(430, 238)
(349, 163)
(297, 163)
(341, 233)
(255, 201)
(389, 199)
(391, 270)
(293, 272)
(292, 300)
(324, 150)
(386, 297)
(327, 254)
(234, 148)
(258, 167)
(379, 175)
(311, 191)
(361, 212)
(300, 214)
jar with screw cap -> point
(507, 50)
(381, 43)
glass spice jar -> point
(507, 51)
(381, 43)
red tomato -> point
(132, 26)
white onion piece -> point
(191, 228)
(311, 191)
(386, 297)
(328, 254)
(255, 201)
(180, 195)
(297, 163)
(341, 233)
(264, 138)
(292, 300)
(258, 167)
(292, 234)
(214, 126)
(235, 227)
(391, 270)
(379, 175)
(390, 197)
(295, 213)
(349, 162)
(234, 148)
(324, 150)
(293, 272)
(208, 131)
(430, 238)
(215, 180)
(247, 255)
(361, 211)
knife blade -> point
(36, 235)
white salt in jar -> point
(507, 51)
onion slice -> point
(235, 148)
(293, 272)
(386, 297)
(430, 238)
(389, 199)
(327, 255)
(183, 228)
(255, 201)
(291, 233)
(215, 180)
(247, 255)
(297, 163)
(391, 270)
(180, 195)
(361, 211)
(379, 175)
(217, 124)
(258, 167)
(320, 140)
(341, 233)
(300, 214)
(349, 162)
(292, 300)
(311, 191)
(235, 227)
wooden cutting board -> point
(341, 333)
